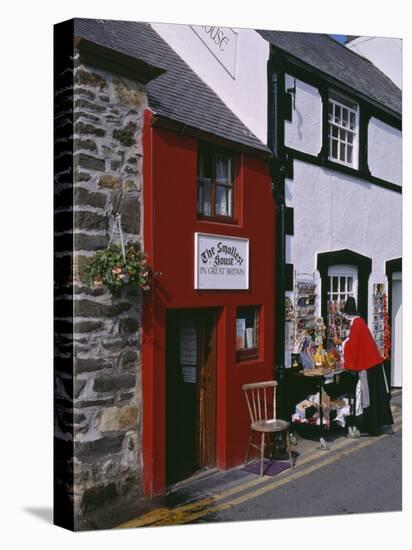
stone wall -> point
(97, 334)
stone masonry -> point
(98, 402)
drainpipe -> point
(276, 80)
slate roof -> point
(334, 59)
(178, 94)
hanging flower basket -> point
(113, 269)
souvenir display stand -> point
(318, 390)
(381, 326)
(329, 396)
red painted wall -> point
(170, 221)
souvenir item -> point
(381, 325)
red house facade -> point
(201, 345)
(148, 384)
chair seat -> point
(270, 425)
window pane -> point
(349, 137)
(344, 117)
(229, 201)
(330, 110)
(335, 284)
(334, 149)
(350, 284)
(343, 284)
(223, 185)
(222, 170)
(222, 201)
(335, 297)
(335, 131)
(246, 328)
(199, 195)
(342, 155)
(349, 152)
(330, 284)
(337, 113)
(204, 165)
(205, 196)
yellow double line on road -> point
(195, 510)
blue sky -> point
(339, 37)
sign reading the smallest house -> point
(221, 263)
(221, 42)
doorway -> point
(190, 393)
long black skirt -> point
(379, 413)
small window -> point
(343, 117)
(247, 332)
(215, 185)
(342, 283)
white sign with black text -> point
(221, 42)
(221, 263)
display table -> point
(297, 385)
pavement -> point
(369, 466)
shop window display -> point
(247, 332)
(315, 357)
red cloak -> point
(360, 351)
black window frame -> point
(345, 257)
(280, 108)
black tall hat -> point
(350, 306)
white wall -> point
(304, 132)
(384, 53)
(385, 151)
(246, 93)
(334, 211)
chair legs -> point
(248, 446)
(262, 449)
(288, 448)
(262, 452)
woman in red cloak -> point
(360, 354)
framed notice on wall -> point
(221, 263)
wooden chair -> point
(261, 402)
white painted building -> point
(334, 125)
(233, 62)
(338, 137)
(384, 52)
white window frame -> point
(343, 271)
(343, 130)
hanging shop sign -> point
(221, 263)
(221, 42)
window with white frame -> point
(342, 283)
(343, 117)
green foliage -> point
(108, 268)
